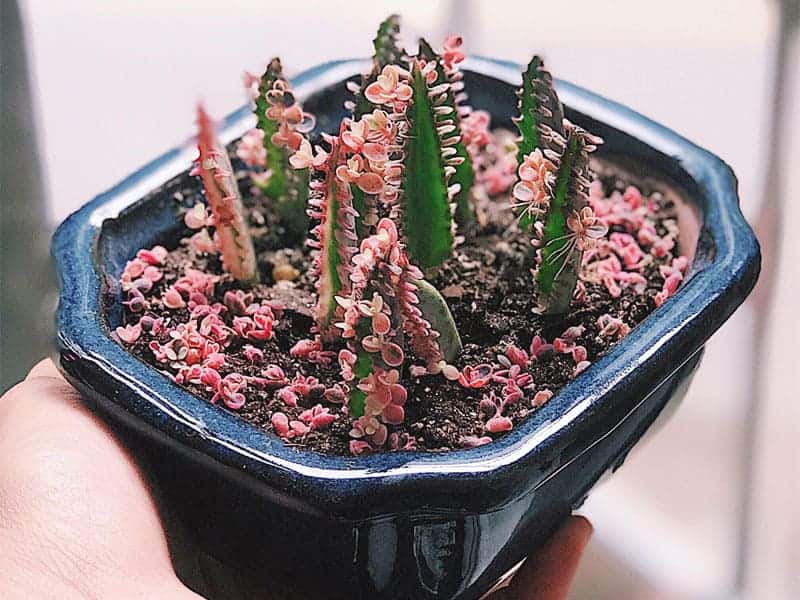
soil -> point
(487, 284)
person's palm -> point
(78, 521)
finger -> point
(44, 368)
(548, 573)
(75, 514)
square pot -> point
(409, 524)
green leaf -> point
(435, 310)
(465, 174)
(561, 259)
(330, 283)
(427, 221)
(288, 187)
(277, 160)
(538, 106)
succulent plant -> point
(464, 175)
(554, 177)
(282, 123)
(386, 194)
(222, 194)
(386, 52)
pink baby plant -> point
(222, 194)
(541, 398)
(497, 423)
(401, 442)
(317, 417)
(282, 127)
(129, 333)
(286, 428)
(612, 327)
(369, 433)
(476, 377)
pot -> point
(393, 525)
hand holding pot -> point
(77, 519)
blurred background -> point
(707, 508)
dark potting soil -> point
(487, 284)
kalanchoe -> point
(447, 72)
(282, 123)
(570, 225)
(381, 310)
(430, 162)
(334, 236)
(222, 194)
(540, 109)
(385, 192)
(386, 52)
(554, 177)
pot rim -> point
(653, 350)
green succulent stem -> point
(557, 275)
(540, 110)
(386, 52)
(427, 218)
(288, 187)
(464, 174)
(361, 369)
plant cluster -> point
(389, 196)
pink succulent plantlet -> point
(153, 256)
(385, 395)
(531, 193)
(401, 442)
(473, 441)
(251, 149)
(586, 227)
(354, 171)
(288, 396)
(358, 447)
(371, 429)
(336, 394)
(173, 300)
(253, 354)
(452, 53)
(539, 347)
(312, 351)
(347, 361)
(305, 157)
(541, 398)
(230, 389)
(499, 424)
(317, 417)
(476, 377)
(581, 367)
(286, 428)
(203, 243)
(518, 356)
(222, 193)
(389, 89)
(130, 333)
(612, 326)
(579, 354)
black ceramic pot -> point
(398, 525)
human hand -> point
(77, 519)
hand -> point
(77, 519)
(547, 574)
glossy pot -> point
(399, 525)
